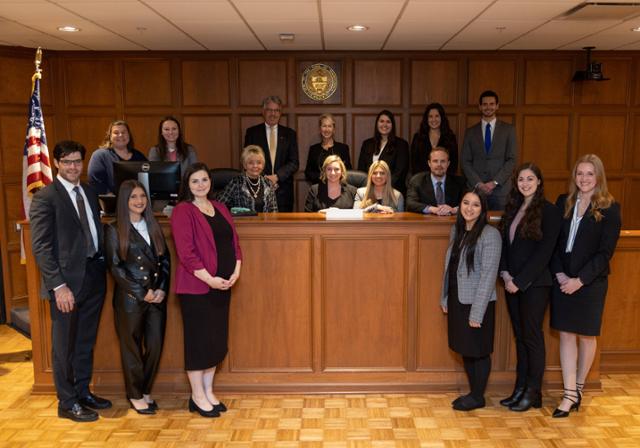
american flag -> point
(36, 167)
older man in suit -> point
(67, 241)
(280, 146)
(434, 192)
(489, 153)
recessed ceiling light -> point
(357, 28)
(69, 29)
(287, 37)
(636, 29)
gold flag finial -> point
(38, 73)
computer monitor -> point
(160, 179)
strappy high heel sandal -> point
(574, 396)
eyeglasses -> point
(275, 111)
(68, 162)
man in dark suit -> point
(280, 146)
(489, 153)
(435, 192)
(67, 241)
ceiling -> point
(235, 25)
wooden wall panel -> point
(498, 75)
(15, 80)
(13, 211)
(89, 130)
(621, 323)
(603, 135)
(434, 81)
(607, 92)
(548, 81)
(147, 83)
(211, 136)
(370, 340)
(309, 134)
(145, 131)
(205, 83)
(18, 279)
(377, 82)
(631, 211)
(259, 78)
(12, 134)
(555, 187)
(634, 158)
(432, 351)
(91, 83)
(271, 325)
(546, 139)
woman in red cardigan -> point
(209, 265)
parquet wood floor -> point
(610, 418)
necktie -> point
(439, 193)
(487, 138)
(273, 145)
(84, 223)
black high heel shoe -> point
(144, 411)
(575, 397)
(514, 398)
(220, 407)
(193, 407)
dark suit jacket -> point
(58, 244)
(421, 147)
(140, 271)
(396, 155)
(286, 163)
(593, 246)
(317, 155)
(527, 261)
(498, 165)
(420, 193)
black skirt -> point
(463, 339)
(205, 317)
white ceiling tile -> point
(557, 33)
(529, 9)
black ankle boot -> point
(530, 399)
(514, 398)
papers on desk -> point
(346, 214)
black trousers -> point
(478, 370)
(526, 309)
(73, 336)
(140, 327)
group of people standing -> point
(541, 249)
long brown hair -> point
(182, 147)
(124, 220)
(388, 197)
(531, 224)
(601, 197)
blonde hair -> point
(327, 116)
(388, 196)
(329, 160)
(601, 197)
(251, 150)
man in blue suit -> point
(489, 153)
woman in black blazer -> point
(530, 228)
(138, 258)
(327, 147)
(385, 145)
(434, 132)
(580, 264)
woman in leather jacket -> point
(139, 261)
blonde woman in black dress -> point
(580, 265)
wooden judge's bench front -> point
(337, 306)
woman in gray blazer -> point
(469, 294)
(171, 146)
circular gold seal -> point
(319, 82)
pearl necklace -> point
(254, 188)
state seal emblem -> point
(319, 82)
